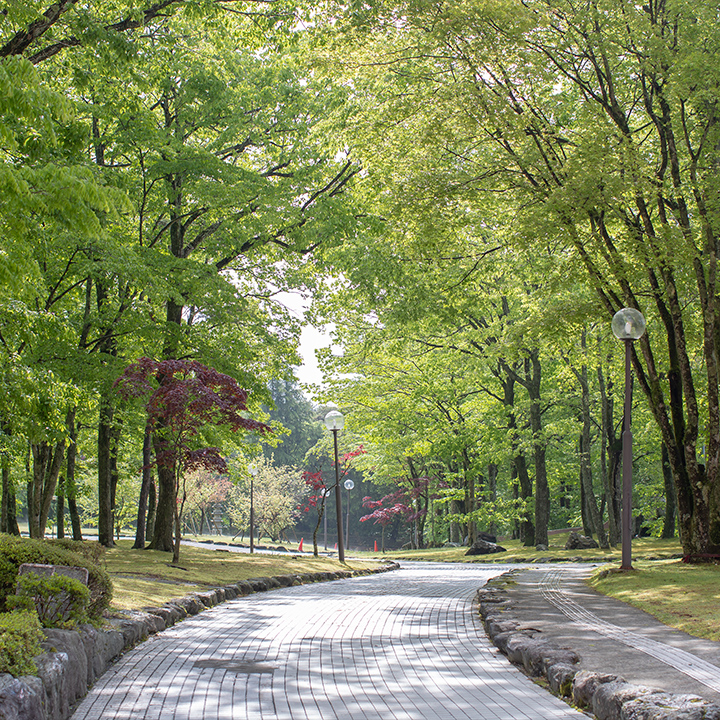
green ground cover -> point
(145, 578)
(681, 595)
(643, 548)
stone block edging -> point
(607, 696)
(74, 659)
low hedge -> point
(59, 601)
(14, 551)
(20, 637)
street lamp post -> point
(349, 485)
(325, 492)
(628, 325)
(335, 421)
(253, 472)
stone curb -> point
(607, 696)
(74, 659)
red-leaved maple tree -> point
(182, 397)
(401, 503)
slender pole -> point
(627, 467)
(325, 515)
(347, 522)
(252, 513)
(338, 502)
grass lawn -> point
(145, 578)
(681, 595)
(645, 548)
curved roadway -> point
(403, 645)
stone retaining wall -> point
(608, 697)
(74, 659)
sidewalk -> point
(554, 604)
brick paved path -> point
(404, 645)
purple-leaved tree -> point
(182, 397)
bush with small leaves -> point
(20, 637)
(14, 551)
(60, 601)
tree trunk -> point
(114, 472)
(167, 498)
(492, 492)
(584, 511)
(152, 507)
(178, 529)
(470, 496)
(526, 527)
(610, 456)
(5, 493)
(47, 462)
(12, 525)
(70, 485)
(533, 377)
(144, 490)
(670, 520)
(8, 517)
(594, 515)
(105, 480)
(60, 508)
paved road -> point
(404, 645)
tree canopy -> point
(470, 191)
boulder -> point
(208, 598)
(501, 640)
(21, 698)
(516, 646)
(586, 683)
(190, 604)
(609, 698)
(231, 592)
(483, 547)
(56, 610)
(576, 541)
(542, 548)
(560, 678)
(496, 624)
(664, 706)
(488, 537)
(67, 646)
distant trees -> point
(278, 490)
(527, 169)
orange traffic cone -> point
(376, 546)
(300, 545)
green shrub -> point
(60, 601)
(20, 637)
(14, 551)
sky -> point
(311, 339)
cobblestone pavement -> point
(403, 645)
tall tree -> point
(183, 396)
(596, 126)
